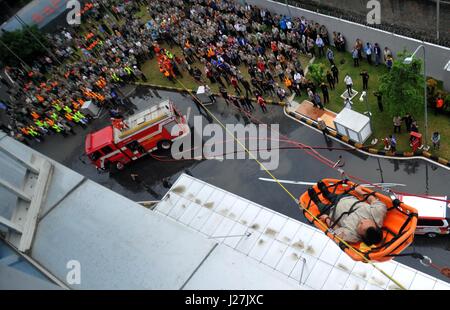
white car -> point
(433, 219)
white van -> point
(433, 219)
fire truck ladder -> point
(30, 196)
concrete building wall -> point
(436, 56)
(416, 14)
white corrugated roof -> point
(286, 246)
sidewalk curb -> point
(369, 149)
(182, 90)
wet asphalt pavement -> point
(241, 176)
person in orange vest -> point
(439, 105)
(35, 115)
(288, 84)
(40, 98)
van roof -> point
(427, 207)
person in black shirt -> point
(330, 79)
(408, 121)
(335, 71)
(365, 79)
(379, 100)
(326, 96)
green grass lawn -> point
(381, 121)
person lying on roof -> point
(354, 220)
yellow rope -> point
(287, 191)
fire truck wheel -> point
(164, 145)
(431, 235)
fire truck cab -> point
(125, 141)
(432, 219)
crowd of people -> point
(47, 99)
(215, 39)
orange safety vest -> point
(49, 121)
(211, 52)
(40, 98)
(35, 115)
(287, 82)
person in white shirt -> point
(349, 83)
(320, 45)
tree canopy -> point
(317, 72)
(403, 87)
(22, 43)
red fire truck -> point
(127, 140)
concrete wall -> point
(436, 58)
(418, 15)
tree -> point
(23, 45)
(318, 73)
(403, 87)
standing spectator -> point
(439, 105)
(389, 62)
(387, 53)
(397, 124)
(355, 57)
(359, 47)
(387, 143)
(323, 127)
(330, 56)
(247, 87)
(408, 121)
(224, 93)
(335, 71)
(317, 101)
(377, 52)
(235, 84)
(310, 45)
(349, 84)
(326, 96)
(341, 42)
(310, 95)
(262, 103)
(414, 127)
(365, 78)
(320, 45)
(436, 139)
(379, 100)
(330, 79)
(393, 142)
(368, 51)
